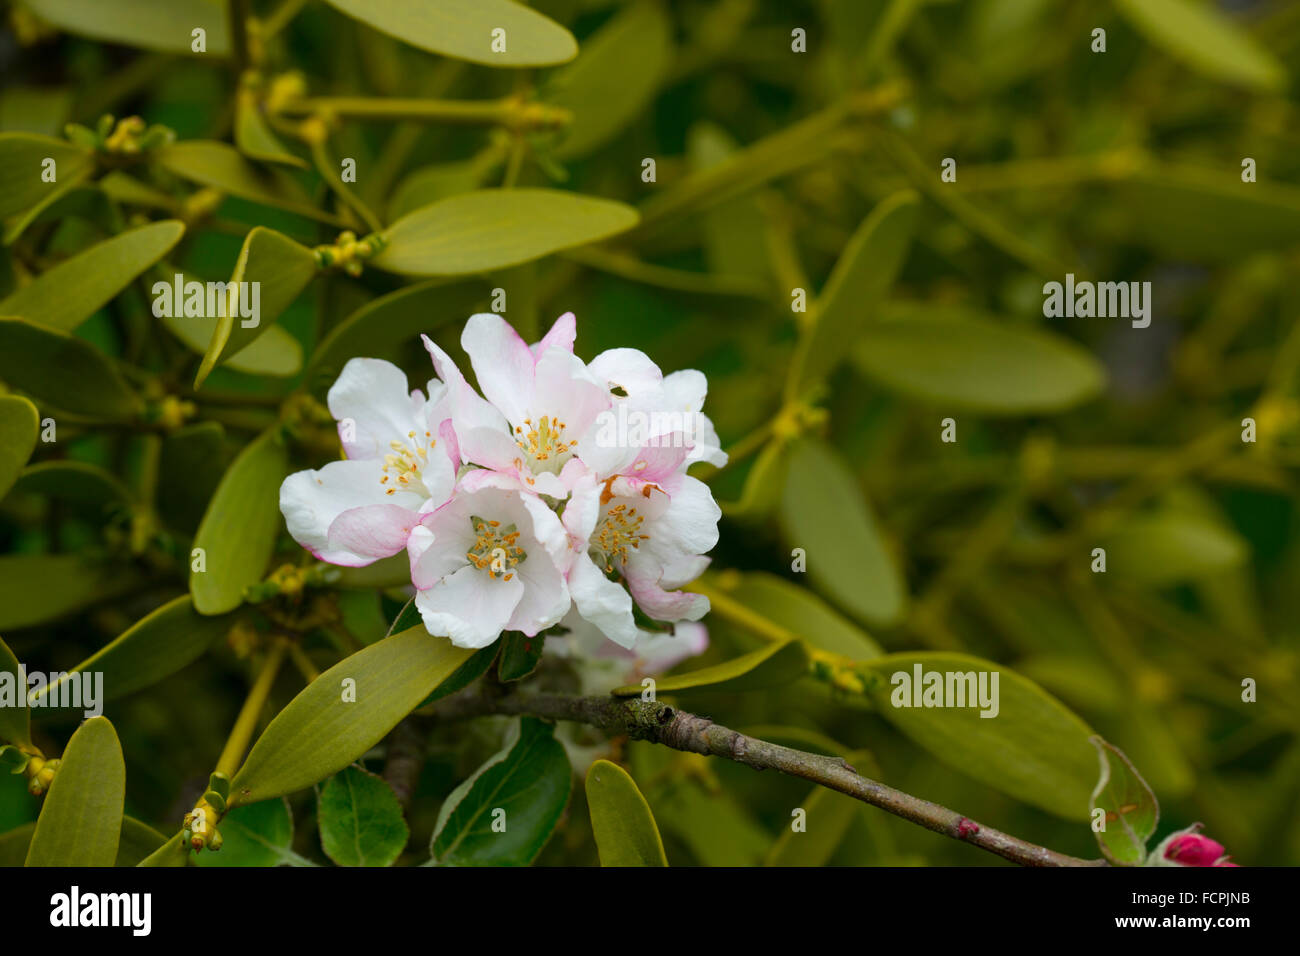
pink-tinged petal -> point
(660, 458)
(502, 362)
(627, 369)
(684, 570)
(562, 335)
(566, 391)
(482, 433)
(644, 581)
(311, 500)
(690, 523)
(373, 406)
(450, 444)
(602, 602)
(469, 606)
(372, 531)
(440, 548)
(545, 599)
(546, 528)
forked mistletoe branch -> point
(661, 723)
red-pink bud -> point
(1192, 849)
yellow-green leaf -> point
(1127, 806)
(255, 138)
(237, 534)
(222, 167)
(81, 820)
(1167, 547)
(494, 228)
(1207, 40)
(65, 372)
(824, 512)
(1031, 747)
(464, 29)
(621, 820)
(165, 25)
(66, 295)
(279, 269)
(36, 588)
(968, 362)
(19, 425)
(775, 665)
(863, 274)
(345, 712)
(15, 721)
(23, 168)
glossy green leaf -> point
(15, 717)
(66, 295)
(464, 29)
(321, 730)
(155, 647)
(380, 328)
(164, 25)
(22, 170)
(824, 512)
(1167, 547)
(280, 269)
(238, 531)
(799, 611)
(360, 820)
(614, 77)
(866, 269)
(68, 373)
(81, 820)
(221, 166)
(259, 834)
(509, 813)
(1128, 808)
(1034, 749)
(36, 588)
(964, 362)
(20, 424)
(496, 228)
(1207, 40)
(775, 665)
(621, 820)
(520, 655)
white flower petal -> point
(603, 602)
(469, 606)
(373, 406)
(311, 500)
(502, 362)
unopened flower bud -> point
(1192, 849)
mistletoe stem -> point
(662, 724)
(242, 733)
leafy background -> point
(775, 170)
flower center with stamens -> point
(544, 444)
(496, 549)
(402, 466)
(618, 533)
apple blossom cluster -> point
(560, 490)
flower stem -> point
(242, 733)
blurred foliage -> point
(781, 177)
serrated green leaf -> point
(281, 269)
(1207, 40)
(495, 228)
(621, 820)
(66, 295)
(509, 813)
(155, 647)
(1034, 749)
(824, 512)
(20, 425)
(775, 665)
(966, 362)
(464, 29)
(319, 732)
(15, 718)
(614, 77)
(164, 25)
(1128, 806)
(22, 181)
(865, 271)
(360, 820)
(68, 373)
(81, 820)
(238, 530)
(259, 834)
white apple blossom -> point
(401, 462)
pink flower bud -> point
(1192, 849)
